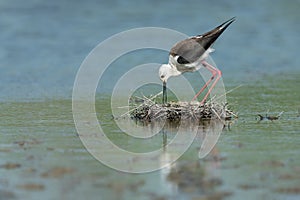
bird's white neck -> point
(173, 70)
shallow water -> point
(252, 159)
(43, 45)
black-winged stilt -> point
(189, 55)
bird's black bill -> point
(164, 100)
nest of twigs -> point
(148, 110)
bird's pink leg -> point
(215, 72)
(203, 88)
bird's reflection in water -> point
(196, 176)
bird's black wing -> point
(207, 39)
(188, 50)
(191, 49)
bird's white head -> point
(165, 71)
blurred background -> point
(44, 42)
